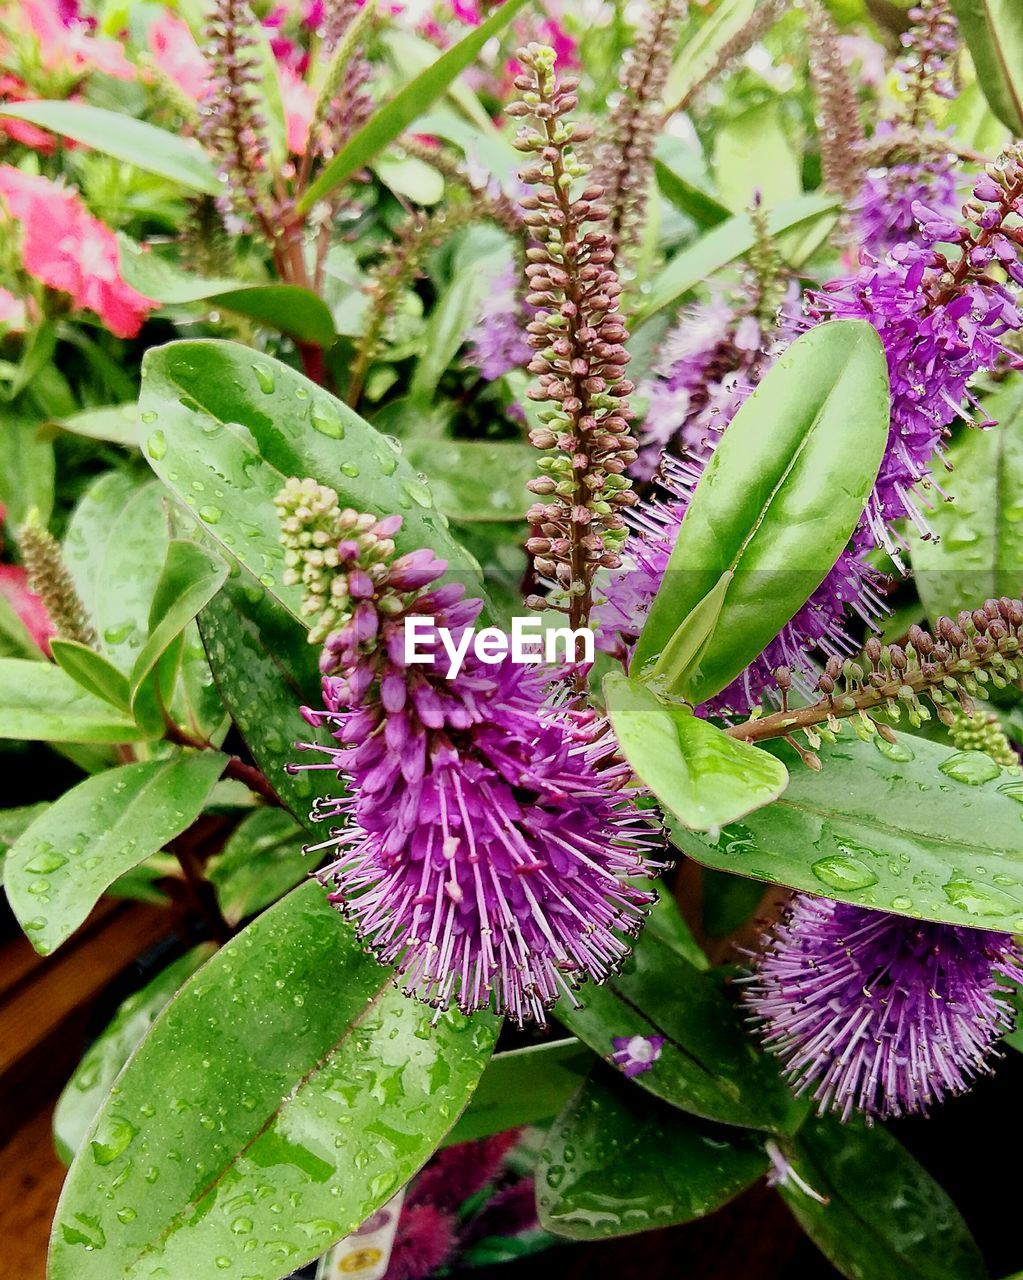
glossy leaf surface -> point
(918, 830)
(886, 1218)
(617, 1162)
(700, 775)
(57, 870)
(226, 427)
(285, 1094)
(708, 1065)
(993, 30)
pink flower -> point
(68, 249)
(467, 11)
(72, 44)
(177, 55)
(29, 608)
(13, 316)
(299, 104)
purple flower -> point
(881, 1013)
(636, 1054)
(488, 833)
(889, 197)
(940, 326)
(498, 343)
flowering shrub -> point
(694, 330)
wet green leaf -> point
(285, 1094)
(83, 1094)
(411, 101)
(993, 30)
(778, 501)
(917, 830)
(41, 703)
(618, 1161)
(260, 862)
(58, 869)
(886, 1218)
(227, 427)
(266, 671)
(979, 551)
(708, 1065)
(523, 1086)
(777, 175)
(703, 777)
(114, 133)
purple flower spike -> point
(881, 1013)
(636, 1054)
(488, 839)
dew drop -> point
(46, 862)
(264, 378)
(971, 767)
(899, 751)
(148, 416)
(210, 514)
(839, 872)
(326, 420)
(349, 469)
(156, 446)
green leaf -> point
(476, 480)
(703, 777)
(289, 1073)
(723, 245)
(260, 862)
(287, 307)
(993, 30)
(410, 177)
(410, 102)
(708, 1065)
(266, 671)
(58, 869)
(886, 1218)
(84, 1093)
(979, 551)
(93, 672)
(617, 1161)
(777, 174)
(523, 1086)
(950, 852)
(41, 703)
(190, 578)
(778, 500)
(117, 424)
(112, 133)
(26, 471)
(686, 196)
(449, 325)
(227, 427)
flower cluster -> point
(940, 323)
(67, 249)
(879, 1013)
(489, 832)
(577, 337)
